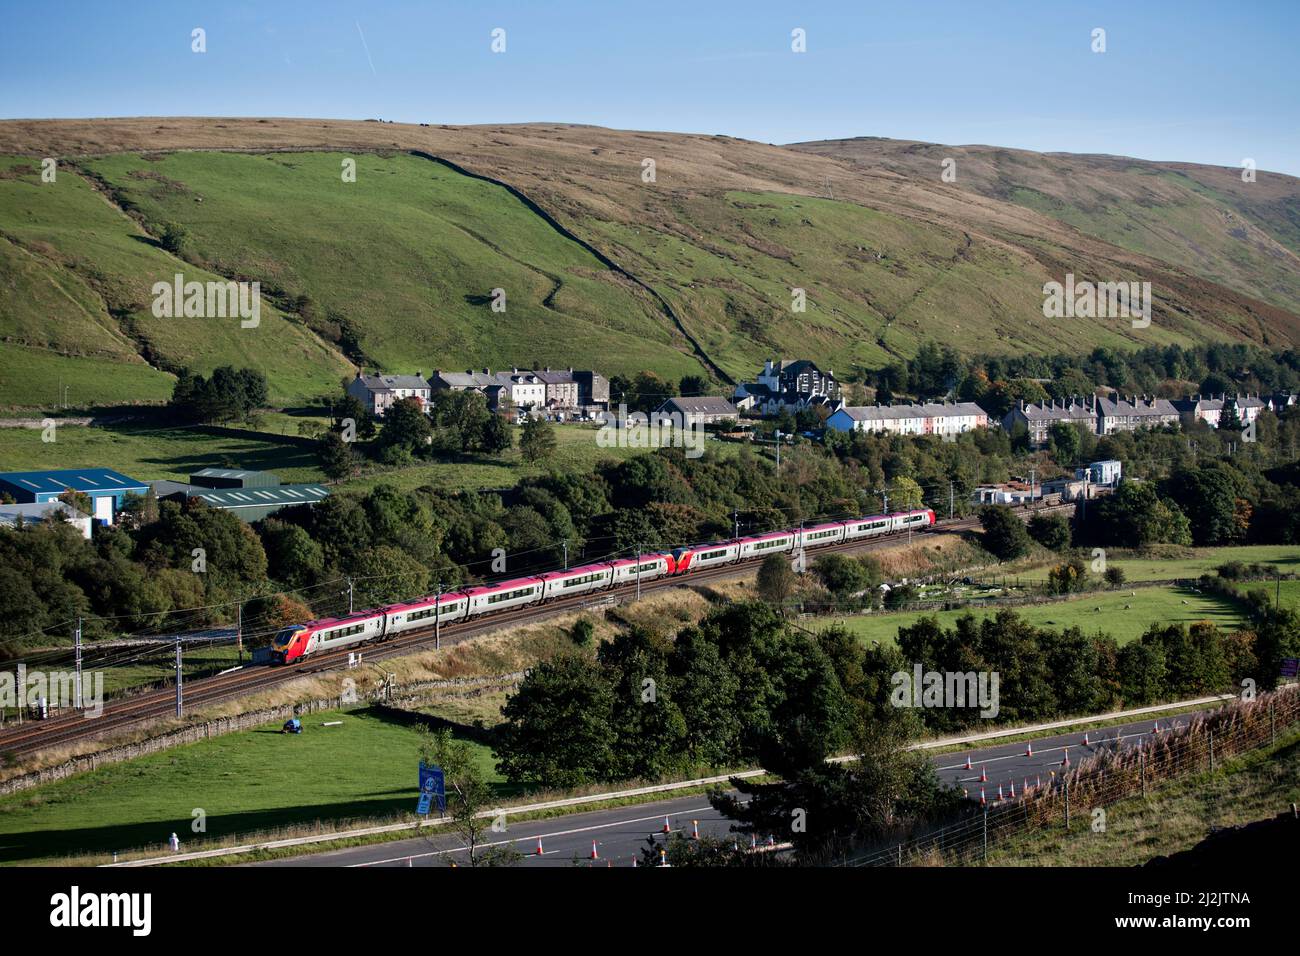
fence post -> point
(1066, 784)
(1272, 724)
(1142, 770)
(986, 836)
(1211, 751)
(900, 854)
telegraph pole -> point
(78, 688)
(239, 631)
(735, 521)
(179, 691)
(638, 570)
(951, 500)
(778, 453)
(565, 544)
(349, 595)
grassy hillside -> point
(408, 254)
(1204, 219)
(693, 270)
(92, 270)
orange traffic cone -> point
(695, 829)
(539, 847)
(663, 857)
(594, 854)
(983, 800)
(1085, 738)
(1029, 749)
(1013, 790)
(1066, 761)
(1000, 797)
(667, 828)
(968, 763)
(984, 775)
(634, 862)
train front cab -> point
(289, 644)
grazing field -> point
(1204, 560)
(1124, 614)
(149, 453)
(244, 782)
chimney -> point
(486, 370)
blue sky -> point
(1197, 81)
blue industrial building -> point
(106, 488)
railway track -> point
(160, 703)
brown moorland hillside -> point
(889, 258)
(1209, 220)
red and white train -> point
(300, 640)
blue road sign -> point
(433, 784)
(1290, 667)
(426, 800)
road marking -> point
(538, 836)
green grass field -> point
(245, 782)
(151, 453)
(1204, 560)
(1152, 604)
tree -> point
(536, 440)
(337, 460)
(496, 436)
(776, 580)
(1051, 531)
(172, 237)
(693, 385)
(1066, 441)
(468, 795)
(846, 577)
(407, 432)
(1005, 536)
(558, 728)
(291, 555)
(904, 494)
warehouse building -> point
(248, 495)
(106, 488)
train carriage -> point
(652, 566)
(590, 577)
(868, 527)
(917, 520)
(761, 545)
(705, 556)
(507, 594)
(424, 612)
(821, 535)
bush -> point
(1115, 576)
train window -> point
(711, 554)
(508, 595)
(585, 579)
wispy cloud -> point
(366, 46)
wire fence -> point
(1068, 799)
